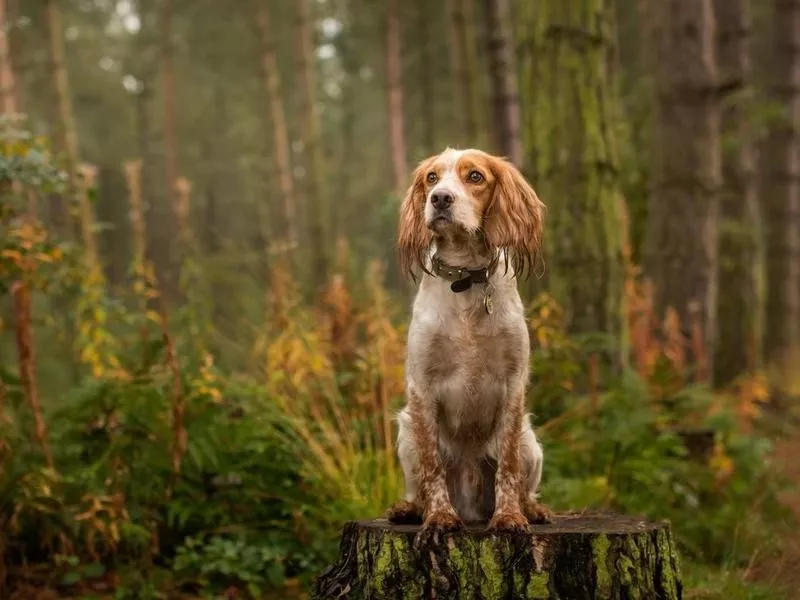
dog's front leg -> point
(508, 513)
(440, 516)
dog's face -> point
(457, 186)
(470, 192)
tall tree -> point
(465, 69)
(681, 253)
(740, 233)
(504, 81)
(427, 84)
(168, 280)
(782, 194)
(393, 75)
(69, 134)
(318, 215)
(170, 149)
(65, 125)
(277, 118)
(8, 87)
(570, 132)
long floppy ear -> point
(514, 219)
(413, 236)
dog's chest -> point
(468, 367)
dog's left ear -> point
(514, 219)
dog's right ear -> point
(413, 236)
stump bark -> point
(576, 557)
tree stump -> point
(577, 557)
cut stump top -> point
(565, 523)
(578, 556)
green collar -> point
(462, 278)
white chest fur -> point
(468, 361)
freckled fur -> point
(467, 449)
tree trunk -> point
(427, 84)
(393, 75)
(573, 162)
(681, 253)
(740, 252)
(576, 558)
(782, 197)
(8, 88)
(277, 117)
(133, 175)
(317, 212)
(504, 81)
(464, 61)
(69, 134)
(169, 279)
(348, 148)
(170, 151)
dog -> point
(470, 225)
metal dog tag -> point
(487, 302)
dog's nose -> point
(441, 199)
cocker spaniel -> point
(470, 225)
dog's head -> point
(470, 192)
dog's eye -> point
(475, 177)
(432, 177)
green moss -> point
(670, 572)
(633, 575)
(491, 582)
(538, 586)
(462, 561)
(383, 563)
(391, 556)
(625, 568)
(600, 545)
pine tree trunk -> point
(427, 85)
(158, 218)
(318, 212)
(168, 280)
(464, 61)
(277, 118)
(393, 74)
(782, 196)
(576, 558)
(503, 72)
(8, 88)
(573, 164)
(348, 147)
(681, 252)
(170, 151)
(69, 134)
(740, 248)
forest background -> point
(202, 321)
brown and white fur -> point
(466, 445)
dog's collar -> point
(461, 278)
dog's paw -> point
(536, 512)
(436, 525)
(404, 512)
(508, 521)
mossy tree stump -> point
(576, 557)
